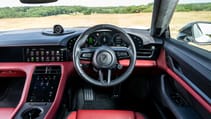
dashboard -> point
(34, 54)
(45, 60)
(38, 46)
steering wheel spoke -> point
(105, 79)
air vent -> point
(145, 52)
(48, 70)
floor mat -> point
(103, 100)
(93, 100)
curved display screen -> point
(45, 54)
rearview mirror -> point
(37, 1)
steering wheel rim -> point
(131, 50)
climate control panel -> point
(45, 81)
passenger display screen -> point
(11, 54)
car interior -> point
(104, 72)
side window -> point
(191, 23)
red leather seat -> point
(104, 114)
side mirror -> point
(196, 32)
(184, 37)
(37, 1)
(202, 32)
(189, 38)
(181, 36)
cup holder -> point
(31, 113)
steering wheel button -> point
(86, 55)
(124, 54)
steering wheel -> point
(104, 58)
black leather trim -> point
(192, 65)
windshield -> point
(74, 13)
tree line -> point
(18, 12)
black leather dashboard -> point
(41, 45)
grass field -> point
(125, 20)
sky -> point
(93, 3)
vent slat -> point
(145, 52)
(48, 70)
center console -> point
(43, 88)
(44, 84)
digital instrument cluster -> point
(108, 38)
